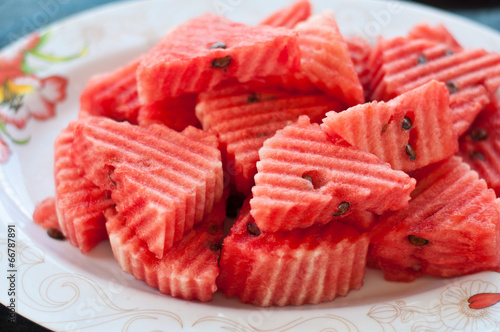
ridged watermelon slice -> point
(162, 181)
(113, 95)
(310, 265)
(480, 147)
(409, 132)
(305, 178)
(202, 52)
(176, 113)
(245, 115)
(439, 34)
(450, 228)
(289, 16)
(79, 202)
(188, 270)
(45, 214)
(359, 51)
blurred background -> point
(19, 17)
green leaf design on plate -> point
(3, 129)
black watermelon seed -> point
(55, 234)
(406, 124)
(479, 135)
(218, 45)
(410, 151)
(252, 98)
(384, 128)
(110, 179)
(343, 208)
(422, 59)
(221, 62)
(452, 87)
(253, 229)
(448, 52)
(476, 155)
(417, 240)
(308, 178)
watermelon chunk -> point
(79, 203)
(245, 115)
(45, 214)
(326, 61)
(439, 33)
(304, 178)
(289, 16)
(113, 95)
(409, 132)
(162, 181)
(450, 228)
(310, 265)
(480, 147)
(188, 270)
(359, 51)
(202, 52)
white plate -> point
(60, 288)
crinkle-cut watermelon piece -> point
(325, 59)
(176, 113)
(450, 228)
(289, 16)
(113, 95)
(362, 221)
(310, 265)
(359, 51)
(244, 116)
(409, 132)
(202, 52)
(45, 214)
(79, 203)
(305, 178)
(480, 147)
(438, 33)
(188, 270)
(161, 180)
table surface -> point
(20, 17)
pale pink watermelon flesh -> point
(245, 115)
(80, 203)
(162, 181)
(188, 270)
(202, 52)
(45, 214)
(451, 227)
(310, 265)
(113, 95)
(305, 178)
(289, 16)
(409, 132)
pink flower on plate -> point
(28, 96)
(4, 151)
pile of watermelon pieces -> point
(333, 156)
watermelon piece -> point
(362, 221)
(305, 177)
(326, 61)
(162, 181)
(188, 270)
(480, 148)
(202, 52)
(289, 16)
(113, 95)
(439, 34)
(45, 214)
(176, 113)
(359, 51)
(79, 203)
(245, 115)
(450, 228)
(310, 265)
(409, 132)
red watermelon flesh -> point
(80, 203)
(184, 62)
(438, 33)
(326, 61)
(113, 95)
(310, 265)
(480, 147)
(45, 214)
(176, 113)
(289, 16)
(362, 221)
(162, 181)
(450, 228)
(305, 177)
(244, 116)
(409, 132)
(359, 51)
(188, 270)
